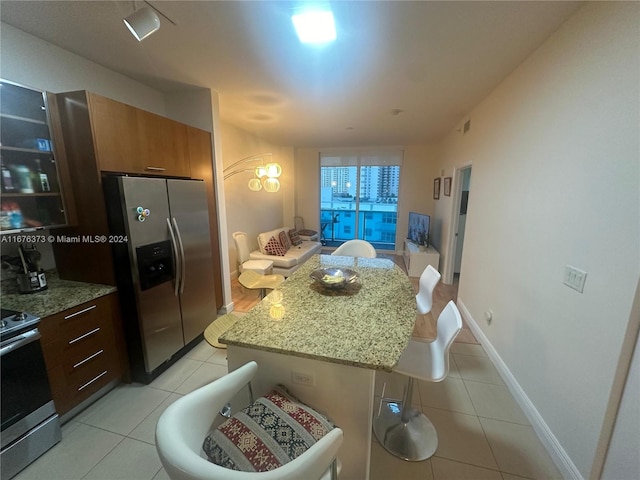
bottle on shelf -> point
(40, 179)
(11, 216)
(7, 180)
(5, 216)
(22, 175)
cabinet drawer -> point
(75, 332)
(75, 322)
(70, 390)
(61, 351)
(82, 350)
(84, 354)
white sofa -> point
(292, 259)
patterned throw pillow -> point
(284, 240)
(294, 237)
(273, 247)
(269, 433)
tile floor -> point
(482, 432)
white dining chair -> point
(263, 267)
(401, 429)
(427, 284)
(356, 248)
(182, 428)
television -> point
(419, 228)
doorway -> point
(462, 188)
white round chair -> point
(356, 248)
(183, 426)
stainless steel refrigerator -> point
(162, 253)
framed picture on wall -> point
(447, 186)
(436, 188)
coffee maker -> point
(30, 277)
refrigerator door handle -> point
(176, 259)
(183, 274)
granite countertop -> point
(368, 324)
(59, 296)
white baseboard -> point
(558, 454)
(228, 308)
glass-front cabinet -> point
(31, 193)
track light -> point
(142, 23)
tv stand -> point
(416, 258)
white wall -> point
(416, 186)
(35, 63)
(254, 212)
(555, 153)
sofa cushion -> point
(307, 233)
(273, 247)
(267, 434)
(284, 240)
(295, 255)
(264, 238)
(294, 237)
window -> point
(359, 196)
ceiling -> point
(399, 73)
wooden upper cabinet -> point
(115, 134)
(130, 140)
(165, 143)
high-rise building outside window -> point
(359, 197)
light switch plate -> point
(574, 278)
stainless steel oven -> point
(30, 424)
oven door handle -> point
(20, 341)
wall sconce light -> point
(266, 173)
(144, 21)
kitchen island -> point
(326, 345)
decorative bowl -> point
(334, 277)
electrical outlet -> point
(574, 278)
(303, 378)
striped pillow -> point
(295, 237)
(269, 433)
(284, 240)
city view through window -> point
(359, 202)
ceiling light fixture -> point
(144, 21)
(315, 26)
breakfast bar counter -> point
(366, 324)
(325, 345)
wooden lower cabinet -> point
(84, 350)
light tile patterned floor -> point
(482, 432)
